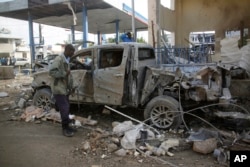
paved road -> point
(28, 144)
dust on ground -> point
(41, 143)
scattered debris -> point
(130, 137)
(84, 121)
(140, 139)
(206, 146)
(202, 134)
(121, 152)
(31, 113)
(3, 94)
(221, 155)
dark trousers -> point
(62, 103)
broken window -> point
(145, 53)
(82, 61)
(110, 58)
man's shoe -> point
(68, 133)
(72, 129)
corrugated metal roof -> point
(101, 15)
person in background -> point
(10, 61)
(62, 86)
(4, 61)
(13, 61)
(127, 37)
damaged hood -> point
(200, 83)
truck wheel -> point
(43, 99)
(163, 112)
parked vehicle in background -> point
(46, 60)
(23, 62)
(41, 64)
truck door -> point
(109, 75)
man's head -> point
(69, 50)
(129, 34)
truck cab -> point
(111, 74)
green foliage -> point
(141, 40)
(111, 40)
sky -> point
(53, 34)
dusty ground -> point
(42, 144)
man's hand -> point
(72, 91)
(68, 72)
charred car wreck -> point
(127, 74)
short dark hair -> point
(69, 47)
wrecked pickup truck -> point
(127, 75)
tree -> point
(111, 40)
(141, 40)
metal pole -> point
(85, 26)
(133, 20)
(117, 31)
(98, 37)
(40, 35)
(32, 46)
(73, 34)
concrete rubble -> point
(128, 138)
(6, 72)
(25, 109)
(230, 53)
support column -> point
(73, 34)
(135, 35)
(85, 26)
(219, 35)
(31, 38)
(133, 19)
(98, 37)
(117, 31)
(154, 23)
(179, 41)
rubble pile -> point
(138, 140)
(230, 53)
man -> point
(13, 61)
(127, 37)
(62, 86)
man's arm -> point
(55, 70)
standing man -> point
(62, 86)
(13, 60)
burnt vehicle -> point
(127, 75)
(41, 64)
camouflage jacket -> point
(61, 83)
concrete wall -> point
(7, 48)
(203, 15)
(6, 72)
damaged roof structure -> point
(186, 16)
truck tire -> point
(163, 112)
(43, 99)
